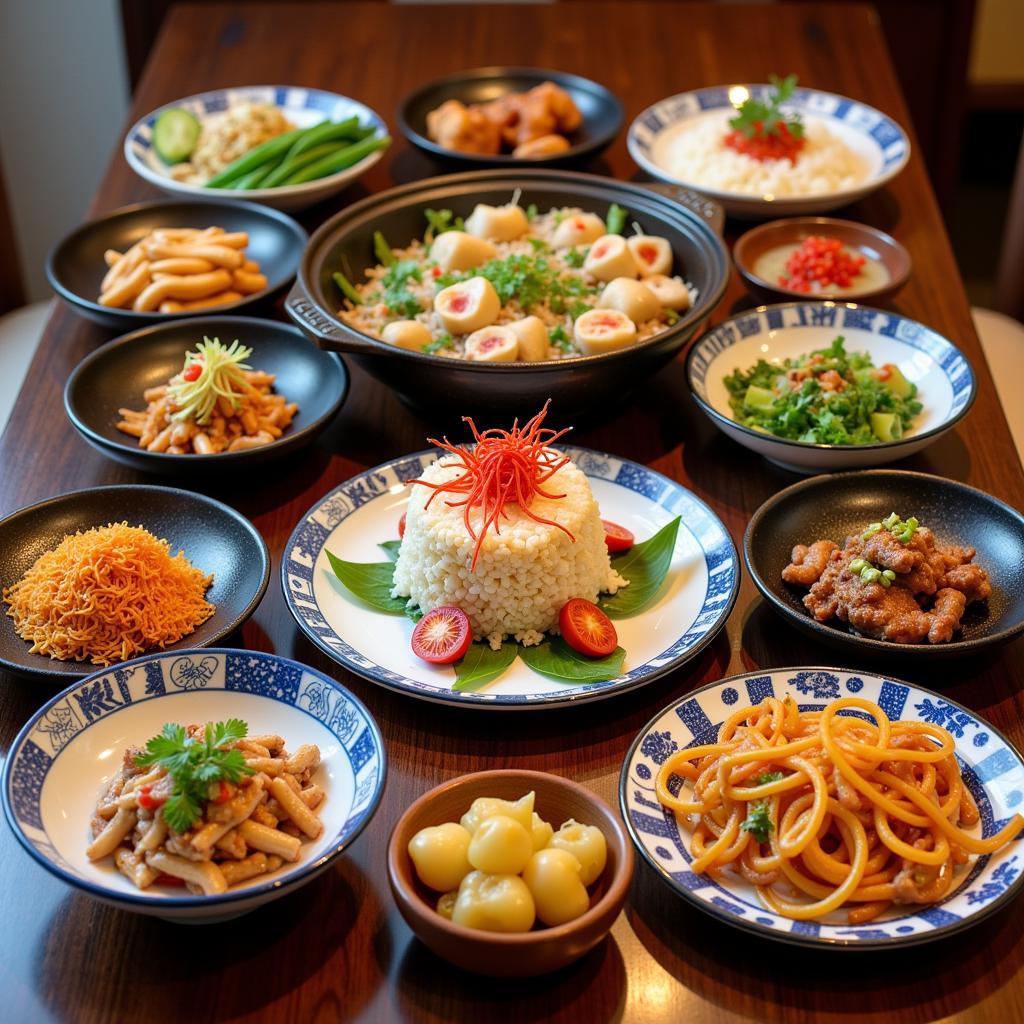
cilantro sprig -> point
(764, 116)
(195, 764)
(758, 821)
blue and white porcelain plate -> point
(992, 769)
(62, 760)
(876, 141)
(353, 519)
(944, 378)
(303, 107)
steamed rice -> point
(372, 315)
(524, 574)
(697, 154)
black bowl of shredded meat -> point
(891, 562)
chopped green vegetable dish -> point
(829, 396)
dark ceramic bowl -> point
(115, 376)
(215, 538)
(602, 113)
(463, 387)
(858, 238)
(837, 505)
(75, 266)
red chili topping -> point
(223, 793)
(780, 144)
(819, 264)
(436, 271)
(192, 371)
(504, 467)
(147, 800)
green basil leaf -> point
(645, 565)
(480, 665)
(557, 659)
(390, 548)
(370, 582)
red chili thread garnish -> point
(503, 467)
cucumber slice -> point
(897, 383)
(175, 135)
(886, 426)
(758, 399)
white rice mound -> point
(697, 154)
(524, 574)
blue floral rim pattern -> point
(71, 713)
(309, 537)
(839, 316)
(884, 132)
(992, 769)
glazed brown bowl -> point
(859, 238)
(497, 953)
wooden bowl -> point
(859, 238)
(496, 953)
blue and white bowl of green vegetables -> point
(823, 386)
(335, 141)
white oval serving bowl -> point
(63, 758)
(944, 378)
(881, 145)
(303, 107)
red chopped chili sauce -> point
(823, 262)
(779, 144)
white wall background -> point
(63, 102)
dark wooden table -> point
(339, 949)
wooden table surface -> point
(339, 949)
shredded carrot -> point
(504, 466)
(107, 594)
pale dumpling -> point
(468, 305)
(609, 257)
(631, 297)
(653, 255)
(495, 344)
(408, 334)
(670, 291)
(578, 229)
(458, 250)
(533, 338)
(498, 223)
(603, 330)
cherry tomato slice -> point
(442, 636)
(585, 628)
(401, 527)
(617, 538)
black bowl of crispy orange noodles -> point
(105, 570)
(833, 507)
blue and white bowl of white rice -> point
(301, 107)
(851, 150)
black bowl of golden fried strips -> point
(891, 561)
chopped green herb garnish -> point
(440, 342)
(440, 221)
(758, 821)
(616, 219)
(397, 296)
(766, 778)
(539, 245)
(576, 257)
(560, 339)
(756, 116)
(671, 316)
(532, 212)
(346, 288)
(195, 764)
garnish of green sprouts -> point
(195, 764)
(757, 822)
(871, 573)
(219, 374)
(902, 530)
(766, 112)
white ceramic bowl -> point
(62, 759)
(303, 107)
(879, 142)
(944, 378)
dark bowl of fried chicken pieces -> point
(496, 116)
(892, 561)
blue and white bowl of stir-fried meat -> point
(823, 386)
(243, 787)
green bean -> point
(338, 161)
(326, 131)
(251, 180)
(616, 219)
(256, 157)
(289, 165)
(346, 288)
(382, 250)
